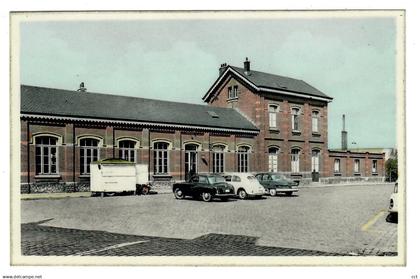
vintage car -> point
(277, 183)
(206, 186)
(245, 184)
(393, 201)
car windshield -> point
(278, 177)
(251, 178)
(216, 179)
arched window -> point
(161, 157)
(191, 162)
(243, 158)
(218, 158)
(295, 160)
(315, 160)
(89, 152)
(315, 122)
(273, 159)
(127, 150)
(46, 155)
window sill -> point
(374, 173)
(274, 130)
(84, 176)
(316, 134)
(295, 132)
(232, 99)
(337, 174)
(357, 174)
(47, 176)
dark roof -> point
(267, 80)
(58, 102)
(270, 81)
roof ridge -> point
(271, 74)
(125, 96)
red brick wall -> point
(255, 107)
(245, 102)
(347, 160)
(109, 148)
(24, 149)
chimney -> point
(222, 69)
(247, 67)
(344, 134)
(82, 87)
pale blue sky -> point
(351, 60)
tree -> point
(391, 169)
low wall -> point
(62, 187)
(54, 187)
(350, 180)
(162, 185)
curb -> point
(55, 195)
(345, 184)
(41, 196)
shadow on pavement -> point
(54, 241)
(284, 196)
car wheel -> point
(242, 194)
(273, 192)
(206, 196)
(289, 193)
(178, 194)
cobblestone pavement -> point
(346, 220)
(47, 241)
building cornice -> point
(300, 95)
(136, 123)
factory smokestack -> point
(344, 134)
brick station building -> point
(252, 122)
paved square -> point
(325, 220)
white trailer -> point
(112, 176)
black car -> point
(277, 183)
(205, 186)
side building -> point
(63, 131)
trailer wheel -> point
(145, 190)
